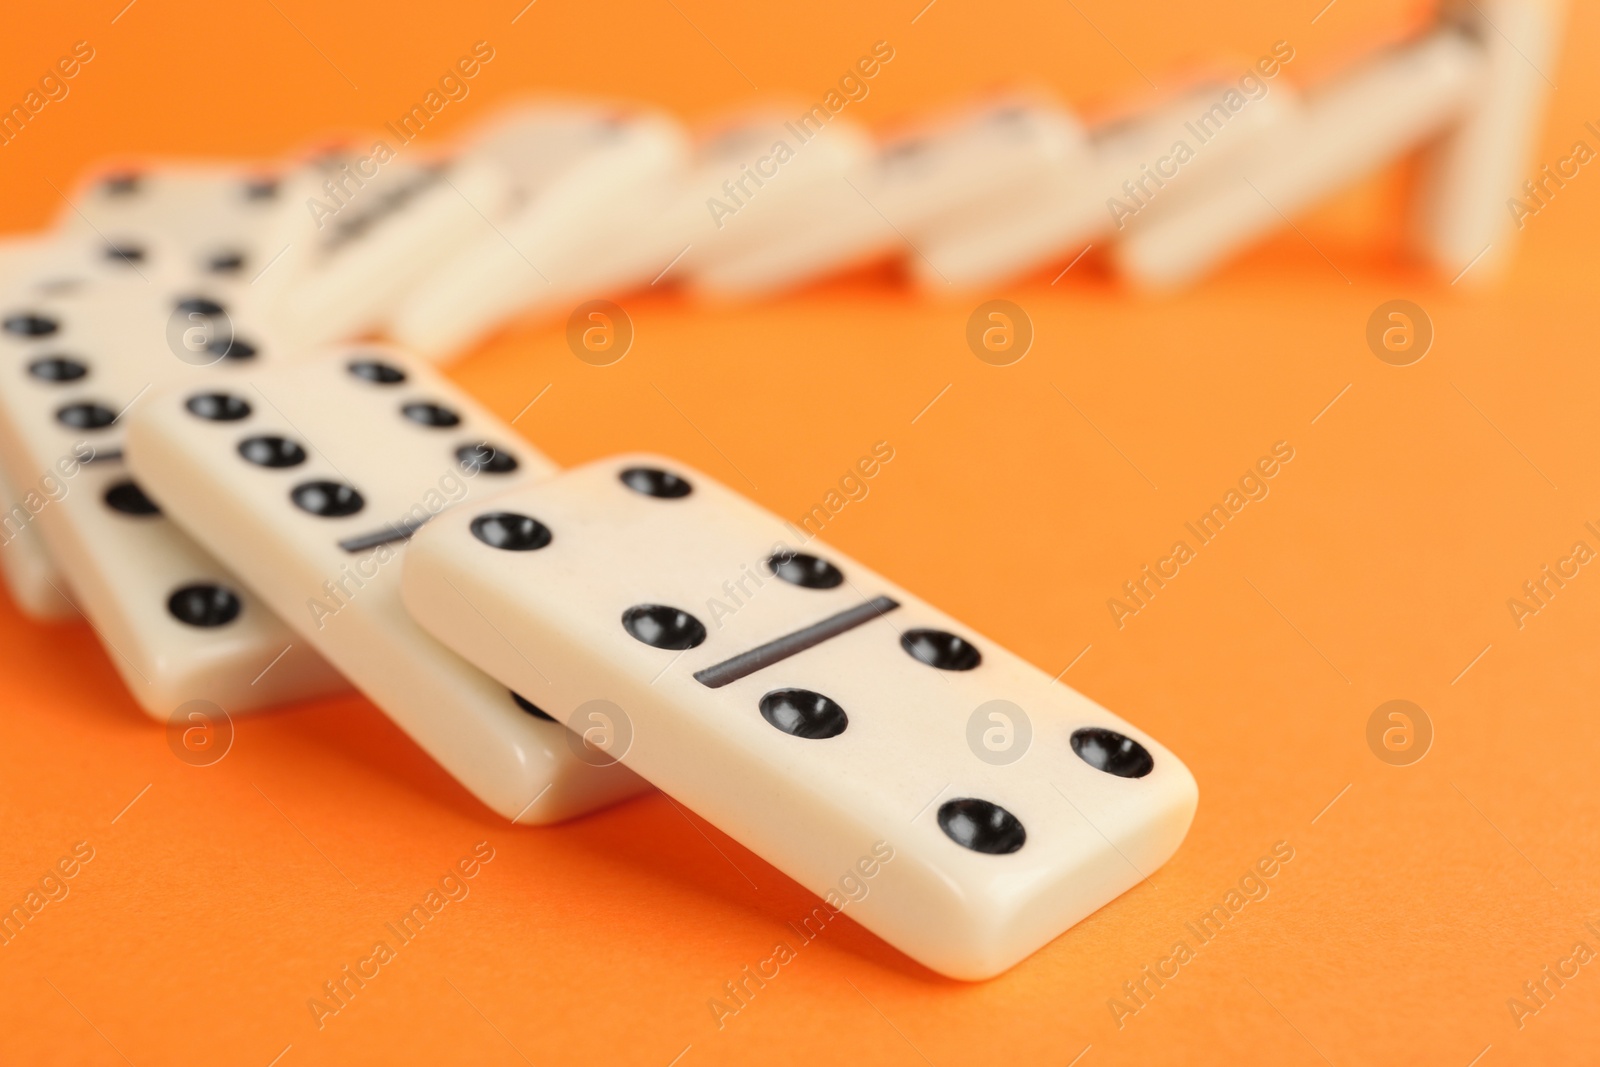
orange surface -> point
(1378, 568)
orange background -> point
(1378, 568)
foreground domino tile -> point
(175, 623)
(1346, 131)
(1471, 177)
(1072, 206)
(585, 180)
(818, 714)
(310, 494)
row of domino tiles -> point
(549, 204)
(257, 524)
(190, 288)
(233, 515)
(611, 201)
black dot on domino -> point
(803, 713)
(512, 532)
(122, 184)
(200, 305)
(530, 707)
(127, 255)
(1109, 751)
(58, 369)
(231, 348)
(660, 626)
(218, 407)
(939, 649)
(28, 324)
(261, 189)
(376, 371)
(657, 483)
(328, 500)
(227, 261)
(270, 450)
(485, 458)
(85, 415)
(129, 499)
(427, 413)
(204, 605)
(808, 572)
(981, 826)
